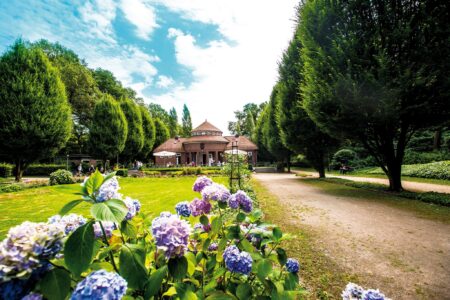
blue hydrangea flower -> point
(27, 246)
(69, 223)
(100, 285)
(133, 206)
(373, 295)
(33, 296)
(241, 199)
(13, 289)
(201, 183)
(183, 209)
(292, 265)
(216, 192)
(108, 226)
(213, 247)
(108, 190)
(171, 234)
(352, 292)
(238, 262)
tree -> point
(149, 134)
(173, 122)
(34, 112)
(162, 133)
(376, 72)
(186, 122)
(107, 83)
(135, 135)
(259, 138)
(157, 112)
(297, 131)
(109, 129)
(245, 120)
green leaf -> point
(170, 292)
(204, 220)
(216, 224)
(277, 233)
(69, 206)
(263, 268)
(109, 176)
(132, 266)
(244, 291)
(192, 262)
(113, 210)
(128, 229)
(282, 257)
(206, 244)
(219, 295)
(291, 282)
(79, 249)
(155, 281)
(223, 205)
(240, 217)
(247, 246)
(93, 183)
(56, 284)
(178, 267)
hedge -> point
(6, 170)
(122, 172)
(436, 170)
(42, 169)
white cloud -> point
(229, 75)
(99, 14)
(164, 81)
(141, 15)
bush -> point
(11, 188)
(412, 157)
(436, 170)
(42, 169)
(174, 173)
(122, 172)
(6, 170)
(61, 177)
(152, 173)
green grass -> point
(155, 194)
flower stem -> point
(111, 256)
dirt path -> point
(407, 185)
(388, 248)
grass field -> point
(155, 194)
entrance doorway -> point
(204, 161)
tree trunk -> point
(395, 176)
(437, 139)
(19, 170)
(321, 170)
(289, 164)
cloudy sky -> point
(213, 55)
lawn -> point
(155, 194)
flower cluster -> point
(109, 227)
(242, 200)
(199, 207)
(33, 296)
(239, 262)
(213, 247)
(216, 192)
(108, 190)
(69, 223)
(201, 183)
(292, 265)
(171, 234)
(134, 206)
(100, 285)
(26, 246)
(355, 292)
(182, 209)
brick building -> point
(205, 146)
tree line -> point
(367, 72)
(52, 104)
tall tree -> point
(109, 129)
(107, 83)
(135, 135)
(377, 71)
(149, 134)
(173, 122)
(157, 112)
(186, 122)
(260, 139)
(245, 120)
(34, 113)
(162, 133)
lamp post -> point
(234, 161)
(67, 162)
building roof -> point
(206, 126)
(243, 143)
(205, 139)
(171, 145)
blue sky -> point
(213, 55)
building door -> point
(204, 162)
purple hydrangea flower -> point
(199, 207)
(183, 209)
(108, 226)
(171, 234)
(133, 206)
(200, 226)
(241, 199)
(201, 183)
(352, 292)
(108, 190)
(292, 265)
(216, 192)
(213, 247)
(100, 285)
(69, 223)
(373, 295)
(239, 262)
(33, 296)
(26, 246)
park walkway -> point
(389, 248)
(407, 185)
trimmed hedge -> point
(61, 177)
(180, 169)
(42, 169)
(6, 170)
(122, 172)
(436, 170)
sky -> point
(213, 55)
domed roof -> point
(206, 127)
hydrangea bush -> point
(120, 253)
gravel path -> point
(388, 248)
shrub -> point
(5, 170)
(61, 177)
(152, 173)
(122, 172)
(412, 157)
(11, 188)
(42, 169)
(436, 170)
(174, 173)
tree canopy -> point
(149, 134)
(135, 135)
(162, 133)
(186, 122)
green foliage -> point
(6, 170)
(413, 157)
(186, 122)
(149, 134)
(246, 119)
(109, 129)
(61, 177)
(122, 172)
(435, 170)
(10, 188)
(135, 134)
(173, 122)
(157, 112)
(56, 284)
(35, 117)
(162, 133)
(108, 84)
(42, 169)
(79, 249)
